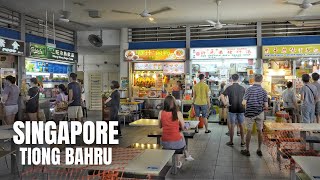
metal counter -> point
(151, 107)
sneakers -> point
(208, 131)
(245, 152)
(179, 165)
(189, 158)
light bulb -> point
(137, 76)
(310, 63)
(154, 76)
(302, 63)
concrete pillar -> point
(124, 45)
(22, 59)
(188, 42)
(258, 64)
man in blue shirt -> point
(256, 101)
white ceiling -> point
(184, 11)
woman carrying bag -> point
(32, 100)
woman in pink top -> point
(171, 121)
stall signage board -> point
(291, 51)
(11, 46)
(44, 52)
(223, 53)
(173, 68)
(155, 54)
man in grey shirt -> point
(315, 78)
(290, 101)
(309, 93)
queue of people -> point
(68, 99)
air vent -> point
(94, 14)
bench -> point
(311, 140)
(158, 135)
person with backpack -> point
(309, 94)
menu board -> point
(291, 51)
(223, 53)
(155, 54)
(173, 68)
(42, 51)
(148, 66)
(45, 67)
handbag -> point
(62, 105)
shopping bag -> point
(192, 112)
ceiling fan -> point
(306, 4)
(145, 13)
(65, 15)
(218, 24)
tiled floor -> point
(213, 159)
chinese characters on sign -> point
(226, 53)
(289, 51)
(11, 46)
(42, 51)
(155, 54)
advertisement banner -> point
(11, 46)
(291, 51)
(155, 54)
(44, 52)
(223, 53)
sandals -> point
(229, 144)
(259, 153)
(208, 131)
(243, 144)
(245, 152)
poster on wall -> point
(173, 68)
(223, 53)
(155, 54)
(124, 82)
(291, 51)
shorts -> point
(174, 144)
(11, 110)
(307, 113)
(201, 108)
(75, 112)
(317, 111)
(236, 118)
(258, 119)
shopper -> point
(9, 99)
(113, 102)
(171, 120)
(290, 101)
(74, 98)
(201, 101)
(32, 104)
(315, 78)
(235, 92)
(61, 104)
(309, 96)
(255, 101)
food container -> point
(123, 94)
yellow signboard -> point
(291, 51)
(155, 54)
